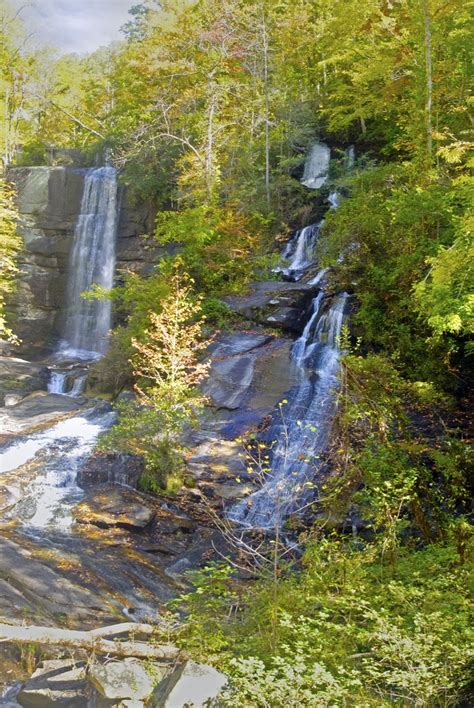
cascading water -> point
(67, 383)
(57, 382)
(316, 168)
(92, 262)
(59, 450)
(302, 433)
(333, 200)
(300, 251)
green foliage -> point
(217, 313)
(220, 245)
(139, 432)
(351, 630)
(386, 461)
(132, 301)
(393, 223)
(445, 297)
(10, 245)
(204, 632)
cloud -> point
(75, 25)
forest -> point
(356, 592)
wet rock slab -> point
(111, 468)
(239, 364)
(114, 508)
(37, 409)
(28, 583)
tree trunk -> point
(210, 142)
(267, 108)
(429, 78)
(92, 641)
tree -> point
(167, 370)
(166, 362)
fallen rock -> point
(56, 682)
(21, 377)
(191, 684)
(111, 468)
(114, 507)
(127, 679)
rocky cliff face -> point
(49, 201)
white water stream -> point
(58, 453)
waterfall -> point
(300, 251)
(350, 158)
(57, 382)
(301, 434)
(316, 168)
(91, 262)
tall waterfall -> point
(316, 168)
(92, 262)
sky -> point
(75, 25)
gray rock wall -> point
(49, 201)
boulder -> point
(126, 679)
(190, 684)
(114, 508)
(56, 682)
(19, 377)
(12, 399)
(111, 468)
(275, 303)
